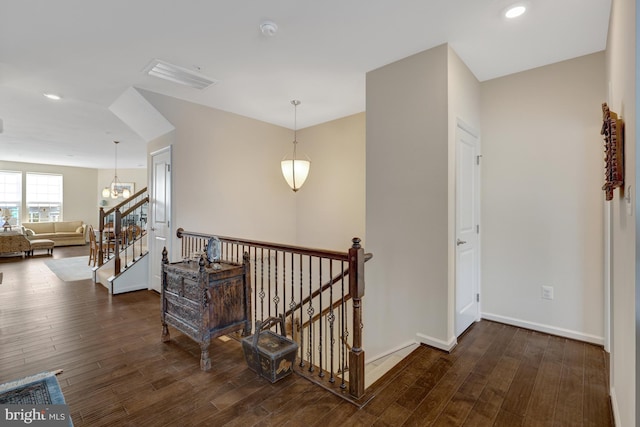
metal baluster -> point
(300, 285)
(261, 294)
(292, 304)
(255, 282)
(343, 329)
(321, 373)
(269, 282)
(331, 320)
(276, 297)
(310, 312)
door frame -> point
(153, 251)
(462, 125)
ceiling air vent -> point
(177, 74)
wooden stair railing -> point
(300, 282)
(123, 226)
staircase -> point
(123, 264)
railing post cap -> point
(356, 243)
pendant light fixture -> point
(116, 189)
(294, 169)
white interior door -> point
(160, 213)
(467, 228)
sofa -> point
(14, 242)
(63, 233)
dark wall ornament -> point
(613, 132)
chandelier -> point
(295, 170)
(116, 189)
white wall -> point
(621, 83)
(542, 217)
(78, 183)
(331, 205)
(407, 216)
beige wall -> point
(407, 216)
(227, 180)
(226, 172)
(79, 188)
(621, 84)
(330, 206)
(542, 200)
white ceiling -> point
(91, 51)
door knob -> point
(460, 242)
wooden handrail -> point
(136, 206)
(272, 291)
(124, 202)
(322, 253)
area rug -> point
(34, 400)
(70, 269)
(39, 389)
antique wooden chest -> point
(269, 354)
(205, 301)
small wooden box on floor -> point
(269, 354)
(205, 301)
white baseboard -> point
(614, 407)
(389, 352)
(437, 343)
(548, 329)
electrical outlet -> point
(547, 292)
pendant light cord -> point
(295, 128)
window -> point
(10, 197)
(44, 197)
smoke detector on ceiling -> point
(178, 74)
(268, 28)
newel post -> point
(356, 289)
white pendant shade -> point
(106, 192)
(295, 172)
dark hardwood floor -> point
(117, 372)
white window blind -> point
(10, 197)
(44, 197)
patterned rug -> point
(70, 269)
(39, 389)
(35, 400)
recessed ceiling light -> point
(515, 11)
(53, 96)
